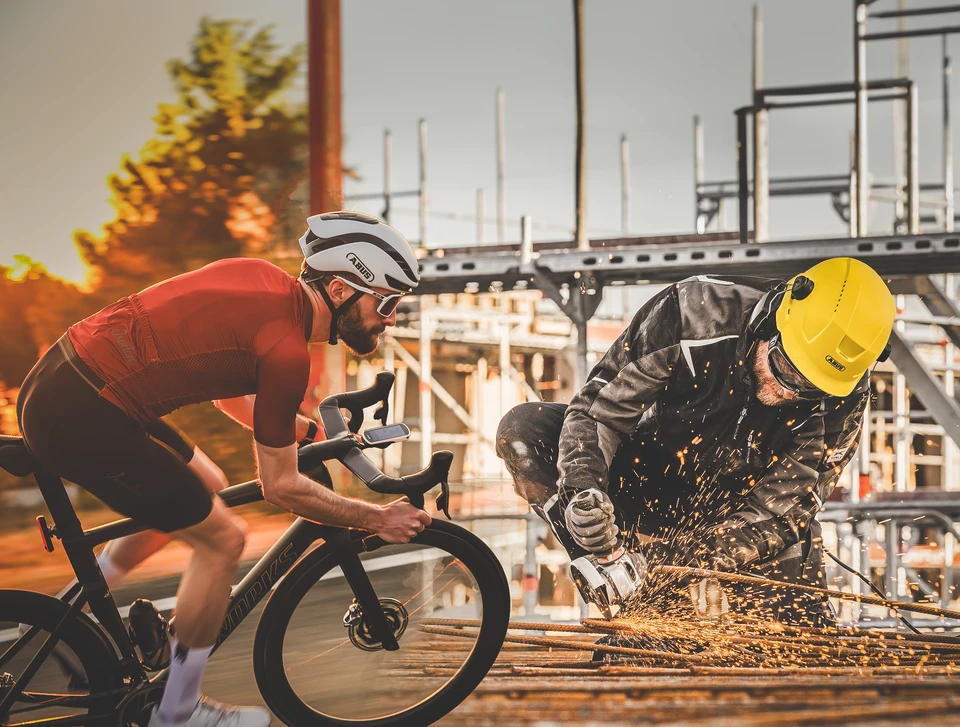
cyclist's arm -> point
(241, 408)
(286, 488)
(281, 380)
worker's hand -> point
(731, 549)
(401, 521)
(591, 522)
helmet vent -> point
(849, 348)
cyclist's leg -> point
(122, 555)
(202, 600)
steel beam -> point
(935, 298)
(913, 12)
(632, 264)
(945, 410)
(918, 33)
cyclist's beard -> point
(359, 341)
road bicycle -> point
(345, 635)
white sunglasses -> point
(388, 303)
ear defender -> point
(801, 288)
(885, 353)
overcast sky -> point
(81, 79)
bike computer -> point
(380, 436)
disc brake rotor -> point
(361, 634)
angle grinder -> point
(609, 580)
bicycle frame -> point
(78, 544)
(92, 590)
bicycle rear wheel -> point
(53, 692)
(313, 669)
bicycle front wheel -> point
(317, 663)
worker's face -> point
(360, 327)
(768, 391)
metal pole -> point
(501, 165)
(505, 398)
(479, 216)
(743, 183)
(901, 402)
(913, 171)
(323, 90)
(947, 142)
(387, 154)
(853, 186)
(582, 369)
(761, 159)
(423, 183)
(390, 461)
(860, 115)
(952, 481)
(530, 570)
(581, 171)
(901, 69)
(399, 409)
(863, 452)
(481, 407)
(526, 242)
(426, 395)
(699, 221)
(624, 185)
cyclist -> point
(716, 425)
(231, 329)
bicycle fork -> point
(359, 582)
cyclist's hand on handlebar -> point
(401, 521)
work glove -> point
(732, 549)
(591, 522)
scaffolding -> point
(495, 324)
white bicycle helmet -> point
(357, 243)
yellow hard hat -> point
(834, 322)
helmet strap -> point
(336, 311)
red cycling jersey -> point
(231, 328)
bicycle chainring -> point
(137, 706)
(360, 632)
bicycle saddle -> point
(15, 458)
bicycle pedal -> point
(148, 630)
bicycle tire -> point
(451, 539)
(81, 635)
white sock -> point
(112, 574)
(182, 692)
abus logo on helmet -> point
(363, 269)
(836, 364)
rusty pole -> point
(323, 88)
(583, 243)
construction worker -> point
(712, 431)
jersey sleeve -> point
(282, 378)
